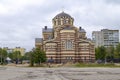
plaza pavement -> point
(61, 73)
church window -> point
(49, 37)
(69, 21)
(64, 21)
(68, 45)
(59, 22)
(54, 22)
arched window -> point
(69, 21)
(64, 21)
(68, 45)
(59, 22)
(54, 22)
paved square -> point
(26, 73)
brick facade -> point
(65, 42)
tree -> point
(117, 51)
(1, 58)
(26, 56)
(39, 56)
(10, 55)
(15, 56)
(110, 53)
(3, 55)
(100, 53)
(31, 58)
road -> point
(28, 73)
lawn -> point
(96, 65)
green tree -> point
(31, 58)
(117, 51)
(27, 56)
(10, 55)
(100, 53)
(110, 53)
(15, 56)
(39, 56)
(3, 55)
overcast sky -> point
(21, 21)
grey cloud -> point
(113, 1)
(22, 28)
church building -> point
(66, 42)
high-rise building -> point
(65, 42)
(97, 38)
(105, 37)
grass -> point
(111, 65)
(37, 65)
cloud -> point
(114, 2)
(14, 6)
(21, 21)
